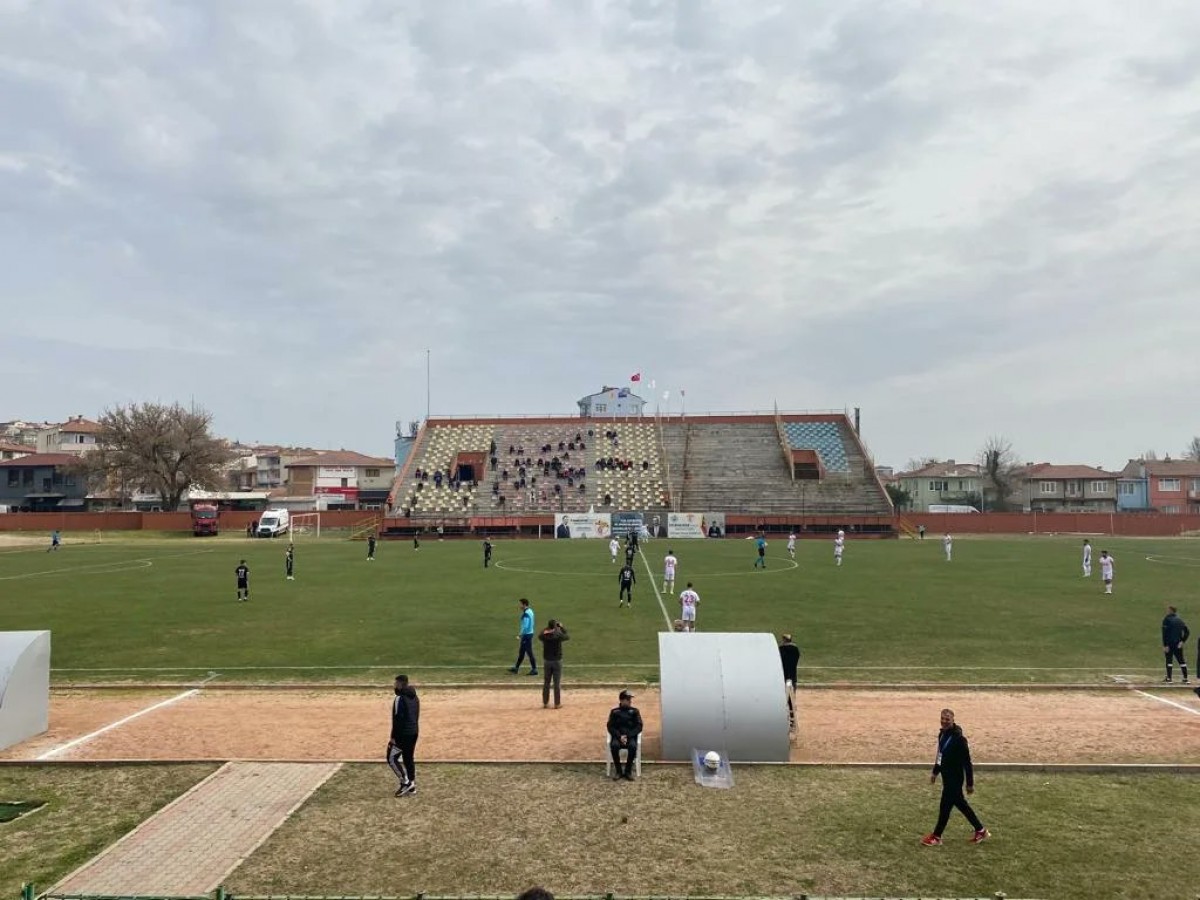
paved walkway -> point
(192, 844)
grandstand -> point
(789, 466)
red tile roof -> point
(1048, 472)
(41, 459)
(79, 426)
(1176, 467)
(943, 470)
(342, 458)
(9, 447)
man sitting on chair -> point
(624, 730)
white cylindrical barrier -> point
(724, 692)
(24, 685)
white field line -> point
(1186, 709)
(105, 568)
(654, 587)
(208, 670)
(62, 748)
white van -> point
(951, 508)
(273, 522)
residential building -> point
(1133, 487)
(1049, 488)
(1173, 485)
(19, 431)
(942, 483)
(9, 450)
(611, 402)
(75, 436)
(342, 478)
(42, 482)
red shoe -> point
(980, 836)
(931, 840)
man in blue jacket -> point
(525, 636)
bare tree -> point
(166, 449)
(999, 465)
(1150, 456)
(919, 462)
(1193, 449)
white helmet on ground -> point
(712, 760)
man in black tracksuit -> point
(627, 579)
(624, 729)
(953, 763)
(487, 553)
(406, 717)
(1174, 635)
(789, 658)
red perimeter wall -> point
(160, 521)
(1121, 524)
(1126, 524)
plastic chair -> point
(637, 756)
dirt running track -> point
(480, 724)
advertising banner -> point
(625, 522)
(695, 525)
(582, 525)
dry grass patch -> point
(86, 809)
(497, 829)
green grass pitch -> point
(1014, 610)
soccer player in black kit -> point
(371, 547)
(1174, 635)
(953, 763)
(243, 581)
(487, 553)
(627, 579)
(789, 658)
(289, 563)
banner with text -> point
(582, 525)
(695, 525)
(625, 522)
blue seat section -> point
(824, 437)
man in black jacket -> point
(624, 730)
(406, 717)
(1174, 635)
(552, 637)
(953, 763)
(789, 658)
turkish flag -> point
(636, 376)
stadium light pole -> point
(427, 354)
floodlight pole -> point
(427, 394)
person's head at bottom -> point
(535, 893)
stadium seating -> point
(539, 496)
(739, 467)
(824, 437)
(641, 485)
(437, 454)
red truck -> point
(205, 518)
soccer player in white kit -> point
(839, 545)
(1106, 570)
(1087, 558)
(614, 547)
(688, 601)
(792, 545)
(948, 546)
(669, 563)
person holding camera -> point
(552, 638)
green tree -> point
(165, 449)
(901, 499)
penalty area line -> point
(63, 748)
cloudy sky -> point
(965, 218)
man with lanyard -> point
(953, 763)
